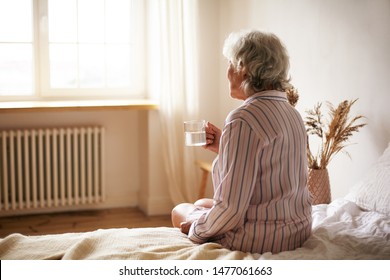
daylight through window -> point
(71, 48)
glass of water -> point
(195, 133)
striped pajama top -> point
(261, 202)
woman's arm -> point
(237, 167)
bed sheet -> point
(341, 230)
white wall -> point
(339, 50)
(153, 192)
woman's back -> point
(278, 215)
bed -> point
(356, 226)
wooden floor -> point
(80, 221)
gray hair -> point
(265, 58)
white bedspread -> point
(341, 230)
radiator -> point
(56, 167)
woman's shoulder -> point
(242, 116)
(237, 114)
(243, 112)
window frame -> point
(41, 73)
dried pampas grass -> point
(292, 96)
(333, 133)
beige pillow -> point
(373, 191)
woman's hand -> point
(213, 135)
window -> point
(71, 48)
(16, 48)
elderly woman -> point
(261, 203)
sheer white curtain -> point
(173, 80)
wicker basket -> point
(319, 186)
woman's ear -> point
(243, 72)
